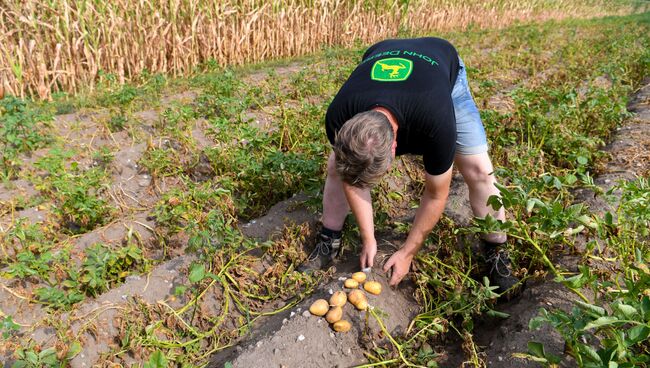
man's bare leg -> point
(335, 205)
(335, 209)
(477, 170)
(478, 173)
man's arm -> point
(361, 206)
(432, 203)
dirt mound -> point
(296, 338)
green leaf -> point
(530, 204)
(609, 218)
(570, 179)
(497, 314)
(637, 334)
(590, 353)
(592, 308)
(645, 306)
(537, 322)
(582, 160)
(19, 364)
(156, 360)
(197, 272)
(75, 348)
(600, 322)
(31, 357)
(628, 310)
(536, 349)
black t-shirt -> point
(412, 78)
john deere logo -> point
(391, 70)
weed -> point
(75, 192)
(117, 122)
(21, 131)
(8, 327)
(104, 267)
(596, 337)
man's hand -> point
(368, 253)
(400, 262)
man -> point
(406, 96)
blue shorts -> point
(470, 139)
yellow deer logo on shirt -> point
(394, 69)
(391, 70)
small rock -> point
(124, 296)
(284, 321)
(334, 352)
(342, 278)
(276, 351)
(348, 352)
(330, 291)
(332, 336)
(500, 358)
(259, 344)
(306, 314)
(300, 338)
(292, 314)
(299, 310)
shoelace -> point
(322, 247)
(497, 257)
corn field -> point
(51, 46)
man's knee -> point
(477, 174)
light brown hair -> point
(363, 149)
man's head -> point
(364, 149)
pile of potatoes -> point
(333, 310)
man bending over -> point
(406, 96)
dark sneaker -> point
(323, 255)
(500, 273)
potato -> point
(373, 287)
(342, 326)
(338, 299)
(351, 284)
(319, 307)
(359, 277)
(355, 296)
(362, 304)
(334, 315)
